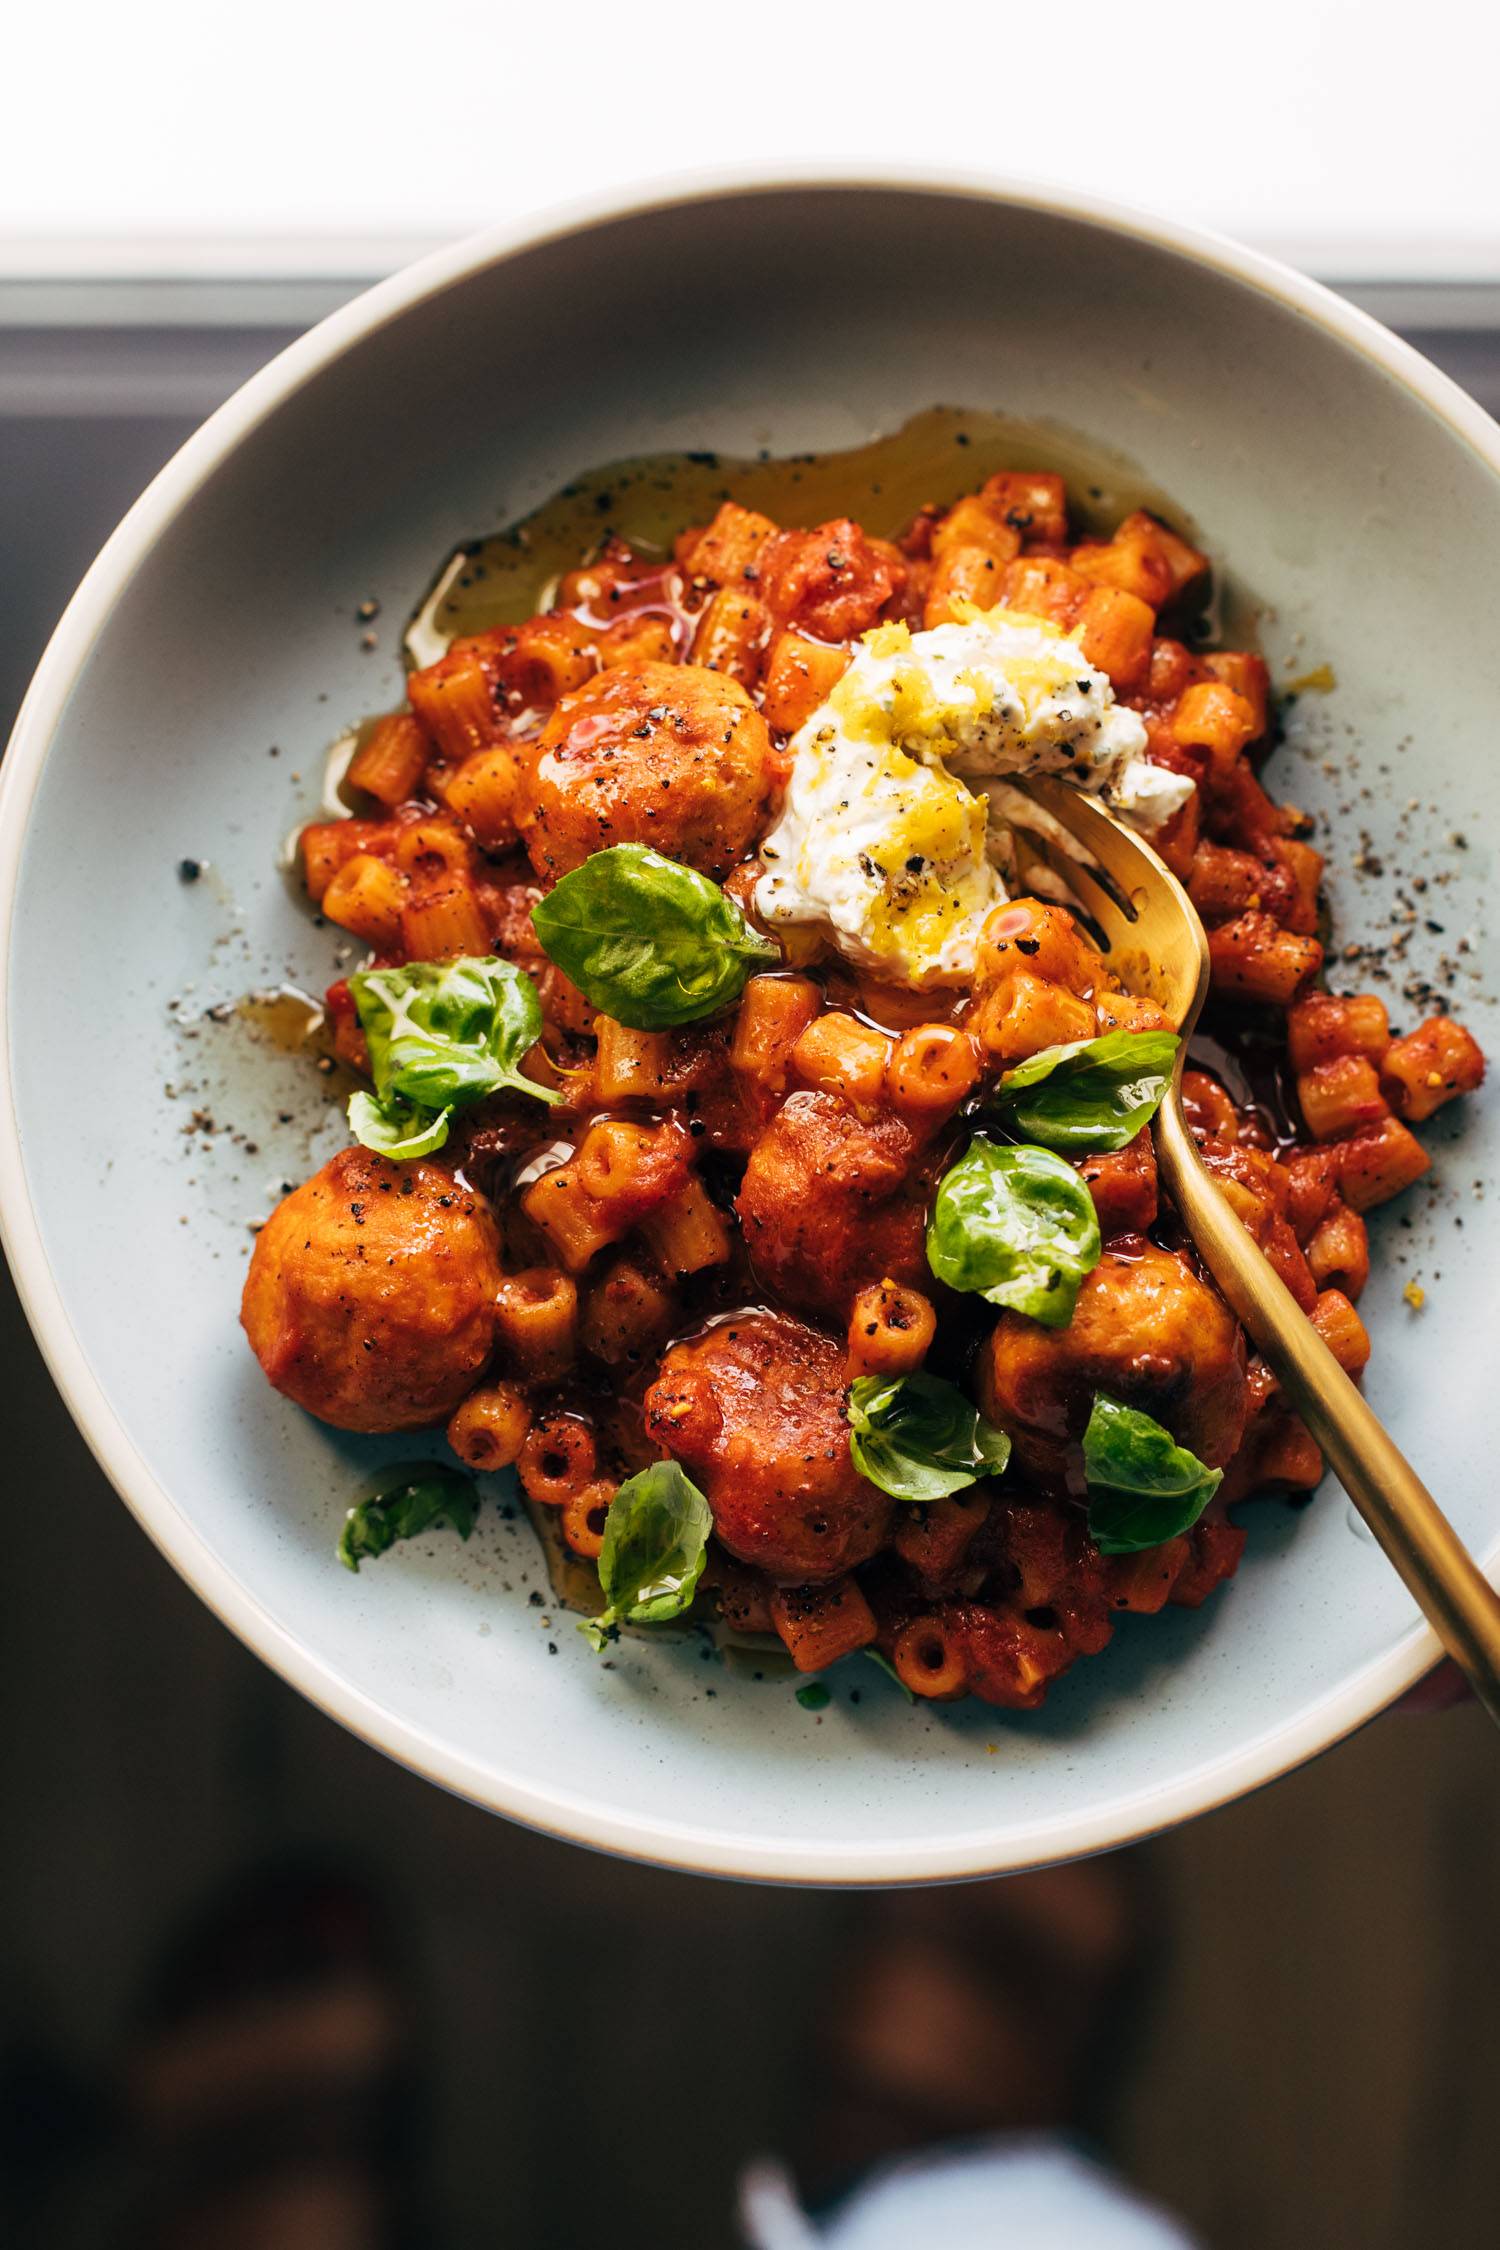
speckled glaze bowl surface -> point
(183, 710)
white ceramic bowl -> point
(1347, 483)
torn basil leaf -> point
(649, 941)
(1143, 1486)
(655, 1538)
(1017, 1226)
(425, 1497)
(396, 1128)
(918, 1438)
(1090, 1095)
(440, 1034)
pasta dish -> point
(753, 1147)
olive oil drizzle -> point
(934, 458)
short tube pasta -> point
(1126, 1011)
(391, 760)
(1115, 632)
(629, 1065)
(545, 659)
(325, 846)
(1430, 1066)
(689, 1233)
(536, 1319)
(1338, 1252)
(584, 1518)
(840, 1055)
(1211, 716)
(1143, 1583)
(1043, 586)
(1035, 501)
(617, 1164)
(455, 702)
(1342, 1330)
(933, 1069)
(977, 524)
(442, 920)
(743, 1596)
(482, 794)
(928, 1657)
(773, 1014)
(733, 628)
(1248, 674)
(489, 1429)
(890, 1330)
(820, 1624)
(1378, 1161)
(557, 1460)
(967, 577)
(1326, 1025)
(799, 675)
(368, 898)
(1338, 1096)
(1253, 958)
(428, 849)
(1027, 1013)
(577, 1227)
(934, 1539)
(637, 640)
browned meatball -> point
(824, 1207)
(371, 1290)
(1146, 1330)
(669, 755)
(754, 1409)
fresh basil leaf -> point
(918, 1438)
(877, 1657)
(1091, 1094)
(1143, 1486)
(425, 1496)
(649, 941)
(396, 1128)
(1017, 1226)
(440, 1033)
(814, 1696)
(655, 1539)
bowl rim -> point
(682, 1845)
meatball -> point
(755, 1409)
(371, 1290)
(825, 1205)
(1146, 1330)
(669, 755)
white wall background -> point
(177, 136)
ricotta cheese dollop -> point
(883, 841)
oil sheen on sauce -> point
(647, 501)
(935, 457)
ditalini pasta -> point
(755, 1151)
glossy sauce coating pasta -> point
(721, 1225)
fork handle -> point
(1437, 1569)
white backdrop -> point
(1356, 136)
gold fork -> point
(1156, 945)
